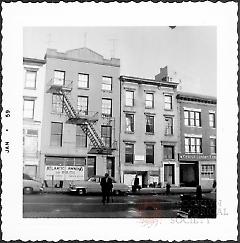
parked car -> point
(30, 185)
(92, 185)
(193, 207)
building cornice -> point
(29, 60)
(148, 81)
(196, 98)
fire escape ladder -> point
(96, 134)
(70, 109)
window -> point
(193, 145)
(56, 133)
(106, 83)
(208, 171)
(150, 124)
(149, 100)
(129, 153)
(212, 122)
(30, 79)
(106, 134)
(106, 107)
(30, 147)
(168, 152)
(57, 103)
(81, 137)
(28, 109)
(213, 148)
(129, 98)
(91, 166)
(192, 118)
(168, 126)
(59, 77)
(82, 105)
(150, 153)
(168, 102)
(129, 123)
(83, 80)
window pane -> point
(56, 133)
(57, 103)
(129, 98)
(81, 137)
(30, 81)
(83, 80)
(150, 124)
(28, 108)
(149, 153)
(107, 107)
(106, 83)
(149, 100)
(59, 77)
(129, 153)
(82, 105)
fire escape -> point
(85, 120)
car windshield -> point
(27, 177)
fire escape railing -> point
(85, 121)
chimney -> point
(167, 74)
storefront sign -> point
(193, 157)
(64, 172)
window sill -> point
(193, 153)
(168, 159)
(149, 108)
(28, 119)
(168, 135)
(168, 109)
(30, 88)
(149, 133)
(106, 91)
(83, 88)
(129, 106)
(193, 126)
(129, 132)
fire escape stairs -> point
(85, 123)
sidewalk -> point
(143, 191)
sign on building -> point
(64, 172)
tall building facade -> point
(197, 155)
(33, 88)
(90, 90)
(149, 130)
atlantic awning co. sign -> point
(195, 157)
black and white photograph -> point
(119, 124)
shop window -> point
(149, 124)
(30, 79)
(168, 152)
(129, 123)
(83, 80)
(81, 137)
(56, 133)
(107, 83)
(129, 153)
(208, 171)
(150, 153)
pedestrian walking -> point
(136, 183)
(106, 184)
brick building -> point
(149, 129)
(197, 155)
(33, 88)
(80, 83)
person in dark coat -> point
(106, 184)
(136, 183)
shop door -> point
(110, 166)
(169, 174)
(189, 174)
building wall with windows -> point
(33, 86)
(197, 155)
(149, 131)
(95, 91)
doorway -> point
(169, 175)
(189, 174)
(111, 166)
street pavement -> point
(65, 205)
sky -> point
(191, 51)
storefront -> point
(197, 169)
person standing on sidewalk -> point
(106, 184)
